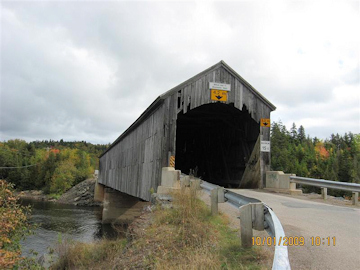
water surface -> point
(60, 222)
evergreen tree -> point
(335, 159)
(293, 133)
(301, 134)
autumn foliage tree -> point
(13, 226)
(336, 158)
(51, 166)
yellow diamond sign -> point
(218, 95)
(265, 122)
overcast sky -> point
(81, 70)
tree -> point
(293, 133)
(345, 167)
(336, 159)
(47, 171)
(63, 177)
(356, 163)
(280, 154)
(301, 134)
(83, 166)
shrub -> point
(13, 226)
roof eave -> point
(260, 96)
(157, 102)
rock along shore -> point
(81, 194)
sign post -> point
(264, 149)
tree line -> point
(336, 158)
(53, 166)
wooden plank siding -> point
(133, 163)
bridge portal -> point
(209, 124)
(215, 141)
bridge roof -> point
(160, 99)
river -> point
(61, 222)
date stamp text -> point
(294, 241)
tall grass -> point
(88, 256)
(185, 236)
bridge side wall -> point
(134, 164)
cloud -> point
(340, 115)
(87, 70)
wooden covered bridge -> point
(212, 124)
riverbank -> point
(37, 195)
(180, 235)
(183, 236)
(58, 223)
(81, 194)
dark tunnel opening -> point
(215, 141)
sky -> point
(86, 70)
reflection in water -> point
(57, 222)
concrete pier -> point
(120, 208)
(99, 192)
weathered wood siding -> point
(197, 93)
(133, 163)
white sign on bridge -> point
(265, 146)
(219, 86)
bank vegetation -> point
(14, 226)
(184, 236)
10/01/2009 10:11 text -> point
(293, 241)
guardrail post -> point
(292, 186)
(221, 195)
(214, 202)
(258, 216)
(355, 198)
(324, 193)
(246, 225)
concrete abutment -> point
(118, 207)
(99, 192)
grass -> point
(54, 196)
(87, 256)
(185, 236)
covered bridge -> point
(209, 124)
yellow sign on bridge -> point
(219, 95)
(265, 122)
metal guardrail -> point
(272, 224)
(325, 183)
(238, 200)
(281, 257)
(207, 186)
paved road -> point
(302, 218)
